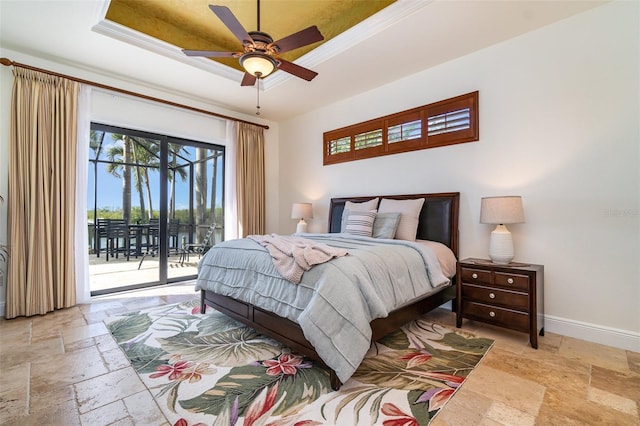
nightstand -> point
(509, 296)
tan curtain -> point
(42, 168)
(250, 180)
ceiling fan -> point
(259, 56)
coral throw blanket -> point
(294, 255)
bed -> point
(437, 222)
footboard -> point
(281, 329)
(290, 334)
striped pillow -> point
(360, 223)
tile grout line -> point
(28, 404)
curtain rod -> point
(7, 62)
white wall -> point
(135, 113)
(559, 111)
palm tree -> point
(174, 152)
(201, 189)
(137, 153)
(147, 157)
(119, 156)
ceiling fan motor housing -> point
(262, 42)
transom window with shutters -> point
(442, 123)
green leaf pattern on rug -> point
(216, 322)
(130, 326)
(244, 383)
(226, 349)
(144, 359)
(223, 372)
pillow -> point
(445, 256)
(360, 223)
(410, 213)
(385, 225)
(350, 206)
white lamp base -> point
(302, 227)
(501, 246)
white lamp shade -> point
(301, 211)
(501, 210)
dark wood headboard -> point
(438, 217)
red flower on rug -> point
(183, 422)
(196, 310)
(182, 370)
(416, 358)
(287, 364)
(174, 371)
(401, 418)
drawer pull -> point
(492, 314)
(474, 275)
(492, 296)
(510, 280)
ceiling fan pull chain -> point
(258, 94)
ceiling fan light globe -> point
(258, 64)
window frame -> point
(423, 113)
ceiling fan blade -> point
(248, 80)
(231, 22)
(209, 53)
(296, 70)
(299, 39)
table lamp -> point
(301, 211)
(501, 211)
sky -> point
(109, 188)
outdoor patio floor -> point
(118, 273)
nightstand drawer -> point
(494, 315)
(476, 276)
(493, 296)
(520, 282)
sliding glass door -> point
(155, 205)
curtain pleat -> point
(250, 180)
(41, 267)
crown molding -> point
(371, 26)
(143, 41)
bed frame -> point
(438, 222)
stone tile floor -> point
(64, 368)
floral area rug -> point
(208, 369)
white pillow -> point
(410, 213)
(360, 223)
(444, 254)
(350, 206)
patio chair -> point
(118, 233)
(198, 248)
(174, 231)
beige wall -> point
(559, 112)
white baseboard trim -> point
(609, 336)
(623, 339)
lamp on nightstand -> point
(501, 211)
(301, 211)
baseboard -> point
(609, 336)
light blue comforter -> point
(336, 301)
